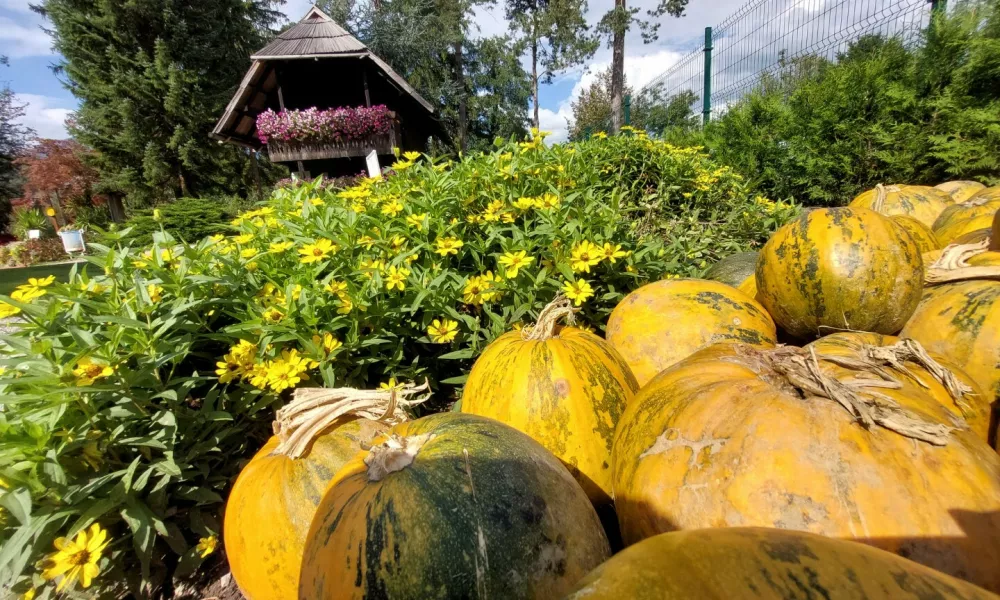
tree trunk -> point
(617, 71)
(116, 208)
(183, 184)
(463, 107)
(534, 64)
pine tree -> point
(555, 35)
(152, 77)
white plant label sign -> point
(374, 171)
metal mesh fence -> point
(765, 36)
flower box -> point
(291, 151)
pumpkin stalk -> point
(801, 368)
(548, 320)
(881, 193)
(394, 454)
(313, 410)
(953, 265)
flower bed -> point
(315, 126)
(144, 380)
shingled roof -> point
(315, 36)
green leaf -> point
(140, 521)
(18, 502)
(457, 355)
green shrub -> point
(133, 390)
(187, 219)
(821, 132)
(33, 252)
(26, 219)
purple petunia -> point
(319, 126)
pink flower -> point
(331, 125)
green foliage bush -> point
(132, 390)
(822, 132)
(26, 219)
(33, 252)
(186, 218)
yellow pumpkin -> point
(564, 387)
(749, 287)
(840, 269)
(275, 496)
(960, 320)
(920, 202)
(726, 439)
(967, 217)
(960, 191)
(663, 322)
(452, 506)
(921, 234)
(764, 564)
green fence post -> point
(628, 110)
(706, 98)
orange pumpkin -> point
(737, 436)
(840, 269)
(920, 202)
(663, 322)
(764, 564)
(452, 506)
(563, 386)
(275, 496)
(960, 191)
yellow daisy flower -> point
(280, 247)
(578, 291)
(317, 251)
(446, 246)
(207, 545)
(395, 278)
(613, 252)
(76, 560)
(585, 255)
(442, 331)
(514, 262)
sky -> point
(24, 41)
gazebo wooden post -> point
(364, 77)
(281, 105)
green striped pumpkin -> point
(452, 506)
(733, 269)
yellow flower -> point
(215, 239)
(87, 371)
(227, 370)
(77, 559)
(50, 212)
(156, 215)
(248, 252)
(416, 221)
(336, 287)
(548, 201)
(397, 242)
(288, 371)
(395, 278)
(329, 343)
(258, 376)
(392, 208)
(473, 219)
(442, 331)
(585, 255)
(490, 217)
(630, 269)
(524, 203)
(207, 545)
(514, 262)
(599, 135)
(316, 252)
(401, 165)
(507, 217)
(279, 247)
(316, 201)
(29, 595)
(446, 246)
(613, 253)
(8, 310)
(273, 315)
(369, 267)
(367, 241)
(411, 156)
(33, 289)
(246, 238)
(155, 293)
(578, 291)
(344, 305)
(391, 385)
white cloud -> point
(20, 41)
(16, 5)
(295, 9)
(44, 115)
(488, 21)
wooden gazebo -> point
(317, 63)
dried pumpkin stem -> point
(548, 320)
(953, 265)
(394, 454)
(802, 369)
(881, 193)
(911, 350)
(313, 410)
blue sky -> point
(49, 103)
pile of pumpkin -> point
(841, 463)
